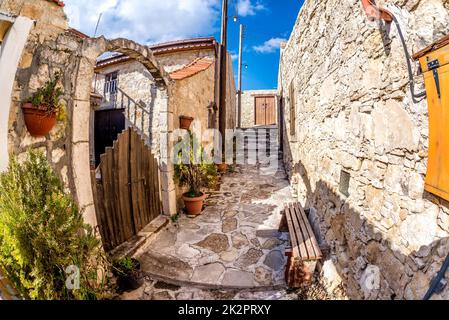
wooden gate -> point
(127, 193)
(265, 110)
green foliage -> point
(42, 233)
(193, 168)
(124, 266)
(174, 218)
(48, 96)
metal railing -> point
(136, 113)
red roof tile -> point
(58, 2)
(164, 48)
(78, 33)
(193, 68)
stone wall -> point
(138, 84)
(354, 112)
(49, 49)
(178, 60)
(38, 60)
(248, 105)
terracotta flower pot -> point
(222, 167)
(185, 122)
(194, 206)
(38, 121)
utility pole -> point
(223, 74)
(239, 96)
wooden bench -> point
(305, 251)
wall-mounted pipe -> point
(375, 13)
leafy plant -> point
(193, 168)
(124, 266)
(48, 97)
(175, 218)
(43, 238)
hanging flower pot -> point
(38, 120)
(185, 122)
(41, 109)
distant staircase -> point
(261, 146)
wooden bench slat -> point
(305, 235)
(297, 234)
(295, 247)
(316, 248)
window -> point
(292, 109)
(110, 83)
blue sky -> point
(267, 23)
(274, 22)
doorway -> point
(108, 125)
(265, 111)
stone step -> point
(177, 272)
(261, 140)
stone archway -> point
(80, 161)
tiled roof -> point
(193, 68)
(184, 45)
(78, 33)
(58, 2)
(163, 48)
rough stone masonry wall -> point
(248, 106)
(49, 49)
(354, 112)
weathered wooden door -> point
(265, 111)
(127, 193)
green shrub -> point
(193, 168)
(42, 233)
(48, 96)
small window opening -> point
(345, 177)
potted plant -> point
(194, 170)
(222, 167)
(127, 271)
(185, 122)
(42, 108)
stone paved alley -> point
(233, 245)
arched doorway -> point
(81, 115)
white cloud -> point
(234, 56)
(247, 8)
(149, 21)
(269, 46)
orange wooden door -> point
(265, 111)
(260, 111)
(436, 79)
(270, 110)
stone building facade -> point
(51, 47)
(248, 105)
(192, 65)
(345, 89)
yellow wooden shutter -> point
(435, 65)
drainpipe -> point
(375, 13)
